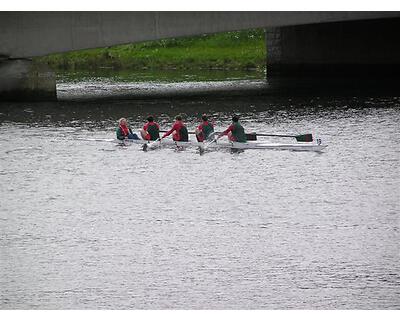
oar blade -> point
(304, 138)
(252, 136)
(154, 145)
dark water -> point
(87, 225)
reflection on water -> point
(88, 224)
(115, 85)
(157, 76)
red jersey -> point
(146, 126)
(153, 131)
(206, 129)
(203, 124)
(178, 125)
(230, 128)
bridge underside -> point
(361, 48)
(356, 48)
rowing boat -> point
(299, 146)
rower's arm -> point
(230, 128)
(169, 131)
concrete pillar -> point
(274, 48)
(22, 80)
(356, 48)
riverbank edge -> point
(239, 50)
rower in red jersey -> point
(178, 130)
(151, 130)
(235, 131)
(205, 130)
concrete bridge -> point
(298, 43)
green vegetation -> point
(239, 50)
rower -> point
(151, 130)
(205, 130)
(124, 131)
(235, 131)
(178, 130)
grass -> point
(239, 50)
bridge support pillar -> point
(353, 48)
(22, 80)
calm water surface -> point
(92, 225)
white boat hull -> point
(300, 146)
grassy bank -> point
(238, 50)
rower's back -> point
(238, 131)
(183, 133)
(208, 129)
(153, 130)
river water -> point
(93, 225)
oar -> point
(189, 132)
(300, 138)
(152, 145)
(253, 136)
(205, 146)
